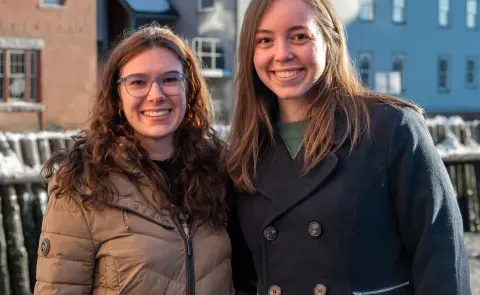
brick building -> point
(48, 63)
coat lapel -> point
(280, 179)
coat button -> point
(320, 289)
(45, 247)
(274, 290)
(270, 233)
(315, 229)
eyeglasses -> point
(139, 85)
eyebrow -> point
(294, 28)
(168, 72)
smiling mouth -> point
(156, 114)
(287, 74)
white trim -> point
(21, 106)
(56, 6)
(216, 73)
(21, 43)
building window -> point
(471, 77)
(398, 13)
(366, 69)
(398, 63)
(443, 73)
(205, 5)
(209, 52)
(471, 14)
(443, 13)
(52, 4)
(18, 75)
(367, 10)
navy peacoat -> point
(382, 219)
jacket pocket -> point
(387, 290)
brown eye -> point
(264, 40)
(301, 38)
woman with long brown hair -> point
(341, 190)
(137, 206)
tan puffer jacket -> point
(128, 248)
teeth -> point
(287, 74)
(156, 114)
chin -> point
(289, 96)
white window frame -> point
(399, 56)
(21, 76)
(201, 6)
(367, 10)
(445, 74)
(472, 72)
(197, 45)
(369, 56)
(398, 11)
(471, 14)
(443, 18)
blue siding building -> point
(424, 51)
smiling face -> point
(289, 55)
(155, 116)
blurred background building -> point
(208, 25)
(424, 51)
(50, 51)
(48, 63)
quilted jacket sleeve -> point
(425, 204)
(66, 254)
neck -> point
(291, 110)
(158, 149)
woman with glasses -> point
(138, 205)
(341, 190)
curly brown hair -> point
(109, 145)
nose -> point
(156, 93)
(283, 52)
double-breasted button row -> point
(314, 229)
(319, 289)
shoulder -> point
(393, 115)
(60, 200)
(388, 119)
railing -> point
(23, 202)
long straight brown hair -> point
(338, 90)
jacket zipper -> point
(380, 291)
(186, 235)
